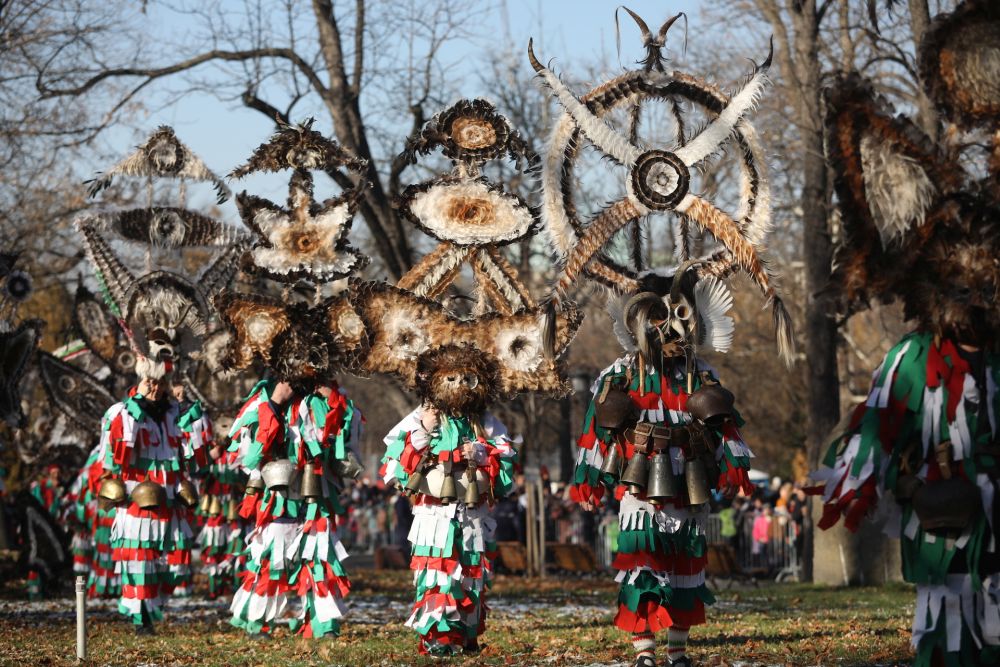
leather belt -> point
(652, 438)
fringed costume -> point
(452, 539)
(297, 457)
(921, 224)
(661, 547)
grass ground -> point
(550, 622)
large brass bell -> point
(255, 486)
(232, 511)
(414, 482)
(187, 493)
(662, 485)
(471, 489)
(636, 473)
(215, 506)
(312, 487)
(711, 403)
(149, 495)
(449, 493)
(614, 410)
(350, 467)
(696, 478)
(612, 461)
(112, 491)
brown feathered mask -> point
(915, 225)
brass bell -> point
(278, 474)
(662, 484)
(149, 495)
(312, 488)
(449, 493)
(255, 485)
(215, 506)
(204, 503)
(612, 461)
(232, 511)
(712, 402)
(112, 491)
(471, 490)
(614, 410)
(636, 473)
(187, 494)
(414, 482)
(697, 481)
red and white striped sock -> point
(677, 637)
(644, 643)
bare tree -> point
(278, 58)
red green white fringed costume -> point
(925, 393)
(219, 538)
(151, 548)
(661, 552)
(293, 548)
(102, 580)
(452, 545)
(78, 512)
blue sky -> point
(574, 34)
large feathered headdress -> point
(915, 223)
(658, 178)
(163, 312)
(306, 239)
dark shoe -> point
(472, 649)
(144, 630)
(681, 662)
(645, 660)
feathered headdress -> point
(916, 225)
(658, 178)
(162, 312)
(304, 240)
(470, 216)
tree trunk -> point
(820, 331)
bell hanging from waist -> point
(112, 492)
(204, 503)
(449, 492)
(255, 486)
(148, 495)
(187, 493)
(232, 510)
(312, 487)
(472, 490)
(215, 506)
(662, 484)
(612, 461)
(696, 478)
(414, 482)
(636, 474)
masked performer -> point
(453, 458)
(920, 228)
(151, 538)
(295, 444)
(661, 434)
(297, 451)
(164, 316)
(450, 455)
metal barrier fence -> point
(768, 549)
